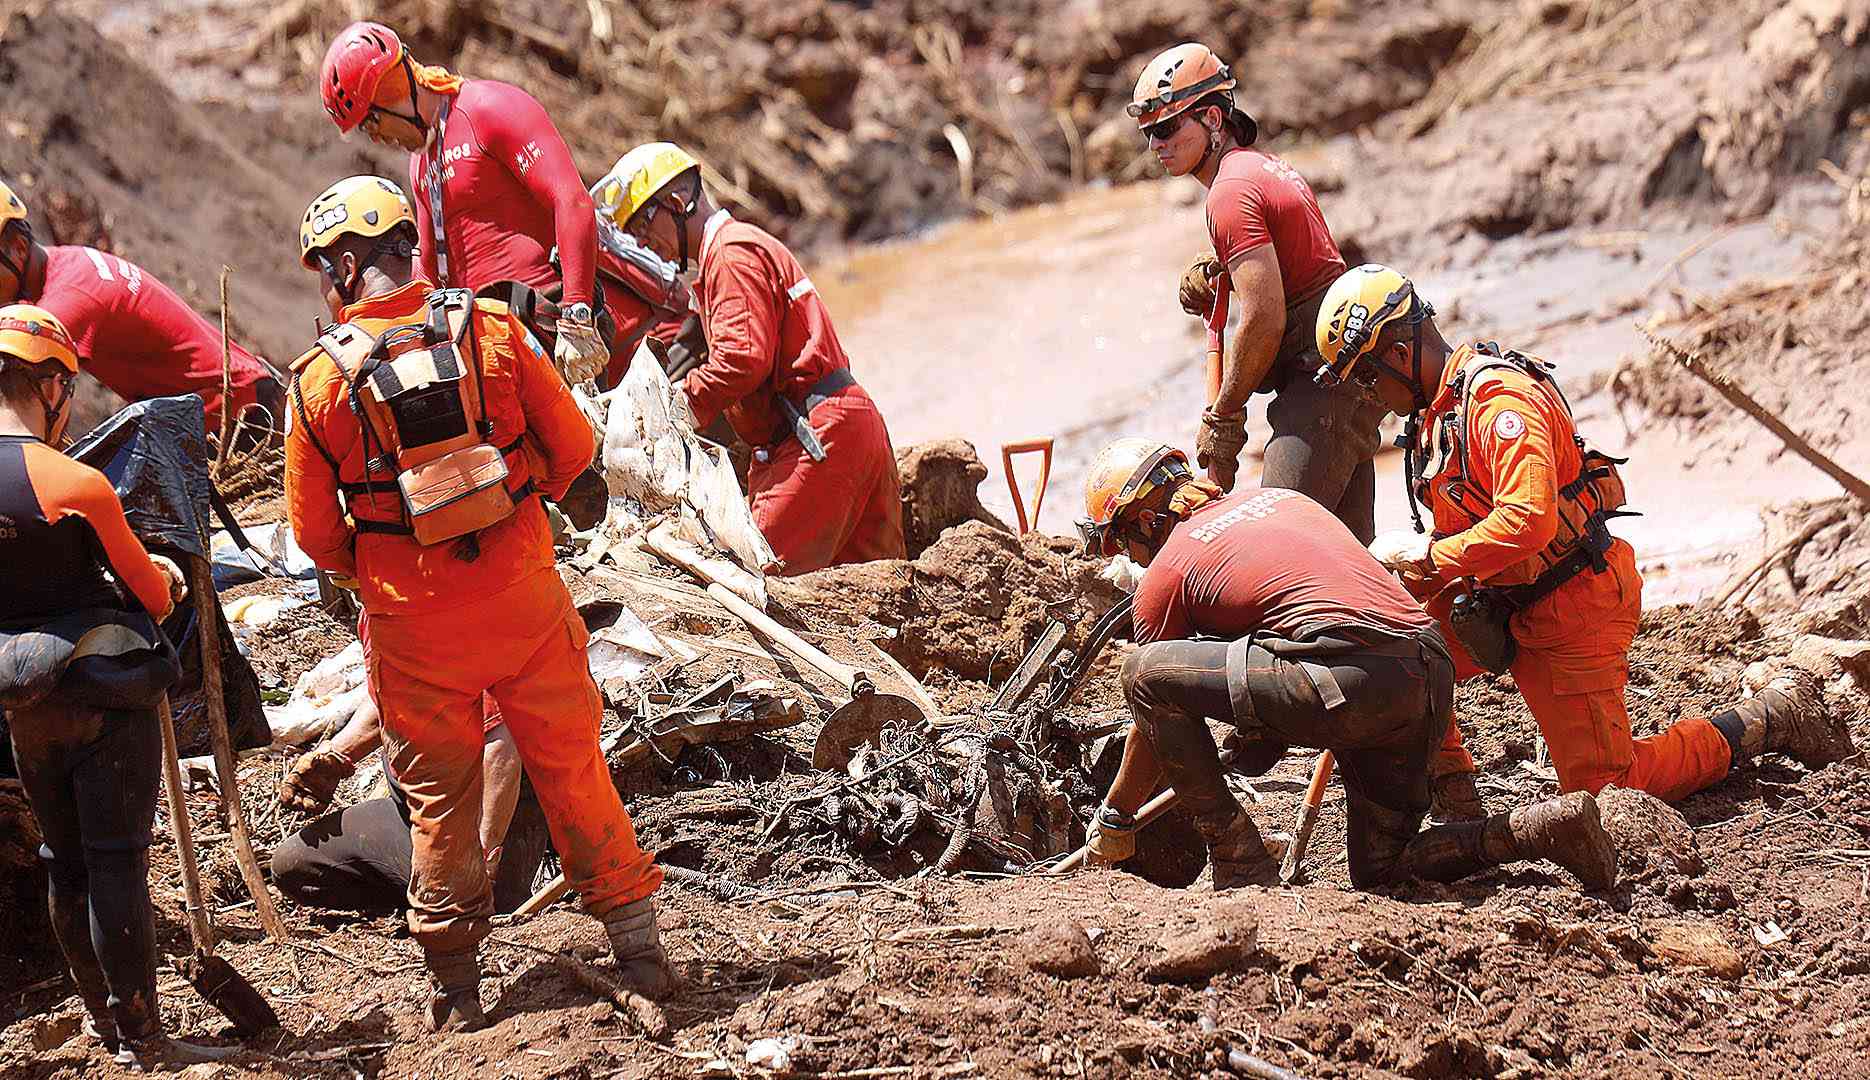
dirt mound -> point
(1575, 112)
(968, 606)
(941, 489)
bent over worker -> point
(84, 666)
(1304, 640)
(1274, 257)
(823, 481)
(496, 186)
(423, 493)
(1521, 568)
(132, 332)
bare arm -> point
(1261, 294)
(500, 774)
(362, 735)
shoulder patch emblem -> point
(1509, 425)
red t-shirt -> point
(510, 191)
(1267, 559)
(136, 336)
(1258, 199)
(767, 329)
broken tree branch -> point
(1746, 403)
(1817, 524)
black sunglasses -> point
(1163, 129)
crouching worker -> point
(82, 668)
(1520, 567)
(1261, 609)
(423, 424)
(358, 858)
(823, 482)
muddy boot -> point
(1565, 830)
(1453, 797)
(1791, 716)
(159, 1053)
(1237, 853)
(454, 991)
(637, 946)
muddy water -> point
(1061, 322)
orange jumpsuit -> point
(1572, 664)
(443, 630)
(770, 334)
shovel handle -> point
(1308, 816)
(1008, 451)
(200, 930)
(547, 895)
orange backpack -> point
(424, 420)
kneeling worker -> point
(1261, 609)
(1520, 567)
(421, 426)
(823, 483)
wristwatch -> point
(578, 313)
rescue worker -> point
(358, 858)
(84, 665)
(475, 611)
(132, 332)
(1304, 640)
(496, 187)
(1520, 568)
(823, 481)
(1274, 257)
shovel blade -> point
(229, 992)
(857, 722)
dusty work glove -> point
(1197, 291)
(1218, 445)
(171, 573)
(313, 780)
(580, 353)
(1111, 836)
(1122, 572)
(1405, 553)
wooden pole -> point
(1151, 810)
(213, 692)
(227, 381)
(1745, 402)
(200, 928)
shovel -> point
(1308, 818)
(856, 722)
(211, 976)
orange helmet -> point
(1125, 472)
(1175, 80)
(35, 335)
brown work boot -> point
(159, 1053)
(1565, 830)
(1453, 797)
(454, 991)
(637, 945)
(1238, 854)
(1791, 716)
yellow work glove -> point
(1218, 445)
(1111, 835)
(580, 352)
(1197, 289)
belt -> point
(798, 412)
(1588, 555)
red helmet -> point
(354, 66)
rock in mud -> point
(1059, 947)
(1696, 945)
(1654, 841)
(941, 489)
(1224, 934)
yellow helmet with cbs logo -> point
(1355, 310)
(354, 206)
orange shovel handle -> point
(1030, 446)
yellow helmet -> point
(35, 335)
(1125, 472)
(638, 177)
(1355, 310)
(11, 208)
(354, 206)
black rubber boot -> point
(1791, 716)
(1238, 853)
(637, 945)
(1565, 830)
(454, 991)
